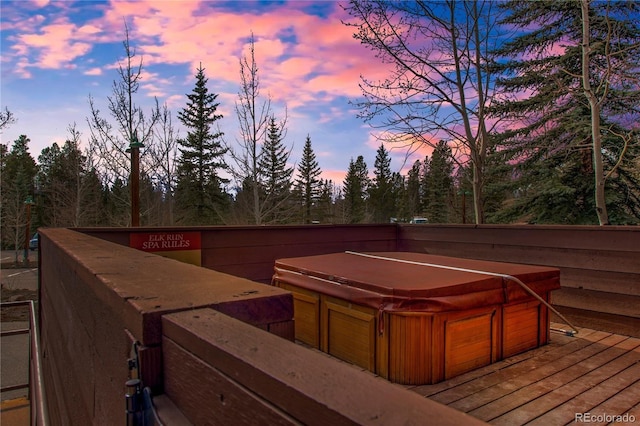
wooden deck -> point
(595, 372)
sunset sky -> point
(55, 54)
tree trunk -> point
(477, 197)
(594, 106)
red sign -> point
(165, 241)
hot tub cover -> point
(404, 281)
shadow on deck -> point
(593, 377)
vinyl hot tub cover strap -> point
(475, 271)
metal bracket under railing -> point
(140, 410)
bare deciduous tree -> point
(164, 153)
(253, 113)
(67, 184)
(6, 118)
(111, 142)
(440, 85)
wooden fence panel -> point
(599, 266)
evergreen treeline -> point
(537, 159)
(69, 192)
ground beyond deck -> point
(589, 376)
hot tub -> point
(415, 318)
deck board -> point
(614, 395)
(620, 402)
(474, 381)
(510, 381)
(595, 372)
(635, 412)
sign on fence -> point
(183, 246)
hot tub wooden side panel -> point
(469, 340)
(525, 325)
(411, 348)
(348, 332)
(306, 308)
(521, 328)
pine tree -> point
(200, 196)
(59, 176)
(463, 192)
(116, 211)
(413, 196)
(325, 210)
(399, 197)
(499, 175)
(381, 197)
(356, 185)
(439, 182)
(19, 170)
(550, 143)
(93, 199)
(308, 182)
(424, 186)
(275, 176)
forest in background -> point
(520, 131)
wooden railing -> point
(98, 298)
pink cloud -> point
(323, 60)
(337, 176)
(329, 115)
(405, 156)
(297, 67)
(88, 30)
(22, 69)
(93, 71)
(154, 84)
(344, 84)
(175, 101)
(20, 23)
(404, 151)
(323, 63)
(55, 45)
